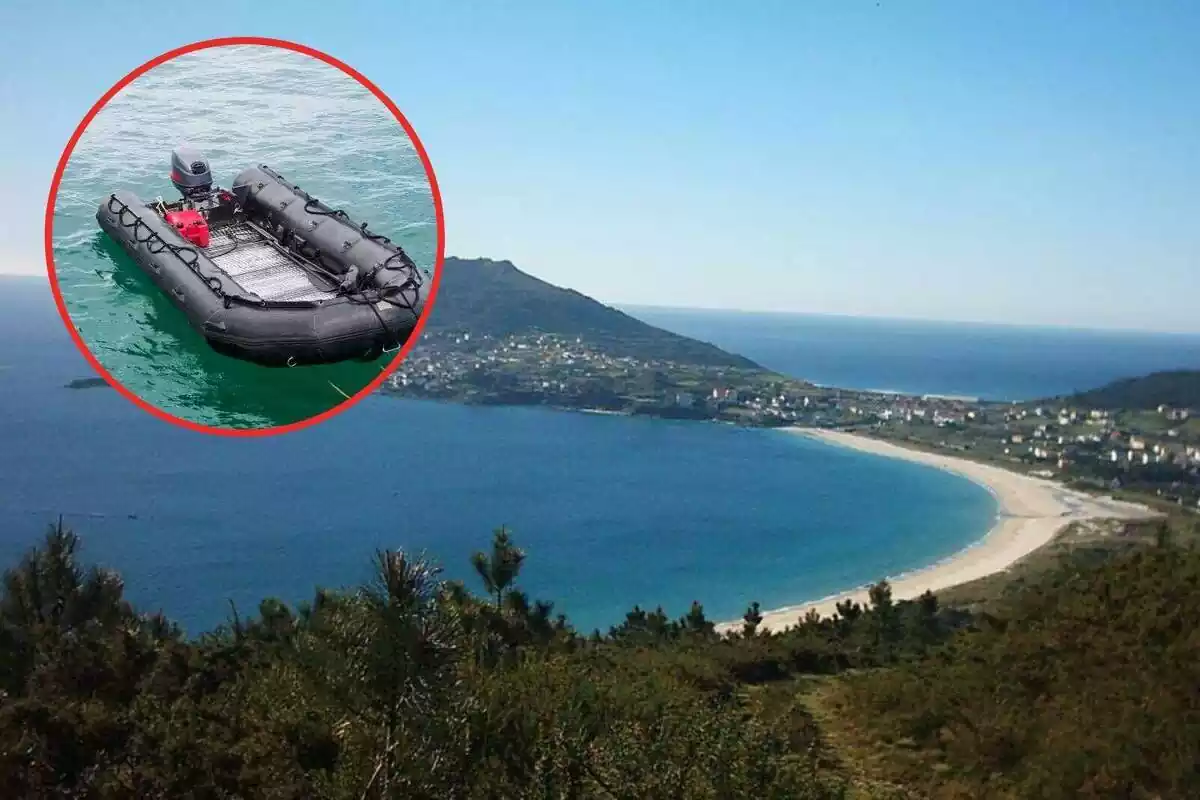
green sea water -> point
(241, 106)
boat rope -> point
(153, 240)
(401, 294)
(311, 202)
(411, 282)
(395, 293)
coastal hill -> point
(1175, 389)
(494, 298)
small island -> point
(87, 383)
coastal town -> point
(1147, 451)
(565, 372)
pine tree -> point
(752, 619)
(500, 569)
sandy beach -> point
(1031, 512)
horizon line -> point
(923, 320)
(621, 306)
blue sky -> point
(1026, 162)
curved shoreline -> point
(1030, 513)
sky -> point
(1024, 162)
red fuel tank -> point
(191, 225)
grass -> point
(867, 765)
(1083, 543)
(882, 768)
(877, 767)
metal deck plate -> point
(254, 264)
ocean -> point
(992, 362)
(613, 511)
(305, 119)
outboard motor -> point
(190, 173)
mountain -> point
(1176, 389)
(494, 298)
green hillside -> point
(1176, 389)
(494, 298)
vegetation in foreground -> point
(1077, 684)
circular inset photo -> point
(244, 236)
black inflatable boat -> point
(266, 272)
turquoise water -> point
(613, 511)
(241, 106)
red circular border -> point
(268, 42)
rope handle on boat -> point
(374, 237)
(413, 282)
(309, 206)
(311, 201)
(153, 238)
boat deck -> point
(258, 266)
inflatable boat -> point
(264, 271)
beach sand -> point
(1031, 513)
